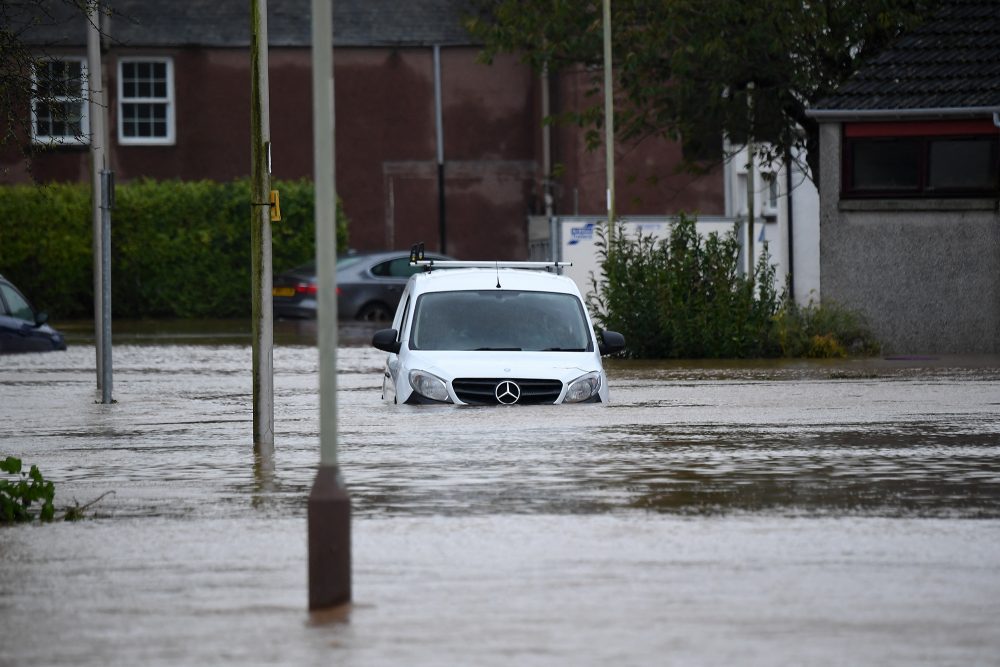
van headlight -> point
(429, 385)
(583, 388)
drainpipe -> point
(439, 129)
(790, 218)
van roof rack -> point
(417, 259)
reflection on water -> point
(751, 514)
(858, 438)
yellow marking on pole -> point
(275, 207)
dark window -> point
(921, 165)
(966, 163)
(885, 164)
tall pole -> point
(96, 102)
(547, 164)
(609, 119)
(329, 507)
(439, 131)
(750, 183)
(260, 234)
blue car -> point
(22, 328)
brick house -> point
(178, 77)
(910, 186)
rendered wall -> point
(926, 273)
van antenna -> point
(498, 275)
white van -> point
(489, 333)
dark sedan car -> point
(22, 329)
(368, 286)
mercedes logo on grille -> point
(508, 392)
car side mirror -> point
(611, 342)
(385, 340)
(41, 317)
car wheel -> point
(375, 312)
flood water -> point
(759, 513)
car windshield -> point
(500, 320)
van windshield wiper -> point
(497, 349)
(564, 349)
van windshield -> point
(500, 320)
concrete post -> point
(751, 204)
(107, 203)
(609, 119)
(96, 102)
(260, 234)
(329, 507)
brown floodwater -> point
(795, 512)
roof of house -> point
(226, 23)
(948, 65)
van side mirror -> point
(41, 317)
(611, 342)
(385, 340)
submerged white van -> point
(493, 333)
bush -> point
(822, 331)
(684, 297)
(178, 248)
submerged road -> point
(755, 514)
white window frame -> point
(84, 100)
(169, 139)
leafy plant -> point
(178, 248)
(27, 489)
(684, 297)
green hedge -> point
(684, 297)
(178, 248)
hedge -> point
(684, 297)
(179, 249)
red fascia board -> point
(927, 128)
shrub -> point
(825, 330)
(684, 297)
(179, 248)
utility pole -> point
(750, 183)
(260, 235)
(329, 507)
(439, 133)
(98, 135)
(609, 122)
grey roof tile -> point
(952, 61)
(226, 23)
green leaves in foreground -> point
(27, 489)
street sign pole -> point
(260, 235)
(329, 507)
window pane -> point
(499, 319)
(963, 164)
(886, 164)
(19, 308)
(128, 120)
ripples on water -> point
(866, 438)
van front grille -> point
(483, 391)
